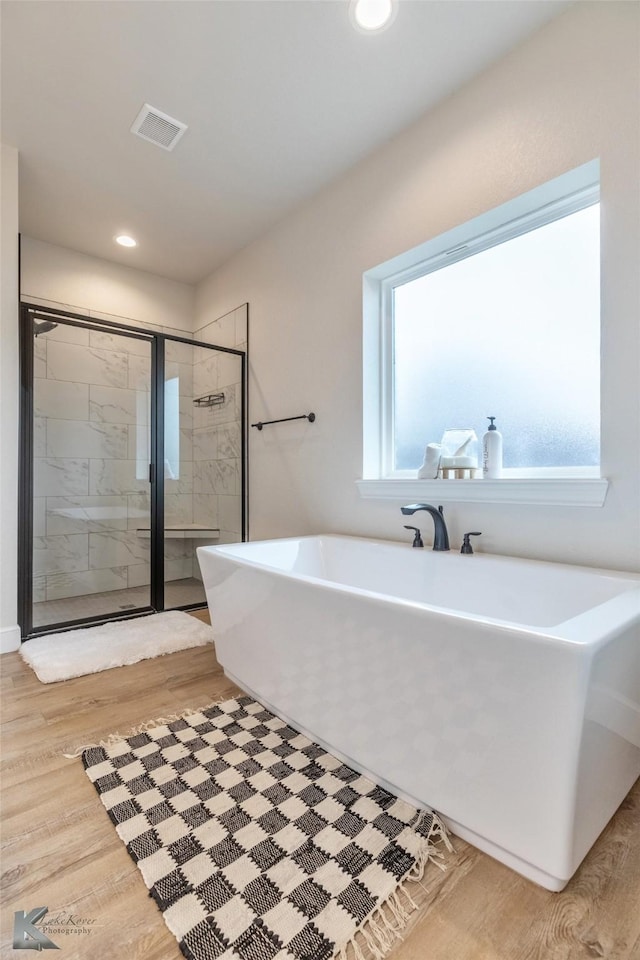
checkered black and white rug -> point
(256, 843)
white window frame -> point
(580, 486)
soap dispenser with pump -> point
(492, 452)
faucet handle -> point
(466, 543)
(417, 540)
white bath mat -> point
(61, 656)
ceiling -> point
(280, 97)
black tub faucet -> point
(440, 534)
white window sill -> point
(561, 492)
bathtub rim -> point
(590, 629)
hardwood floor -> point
(60, 850)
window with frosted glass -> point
(512, 332)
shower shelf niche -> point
(183, 531)
(210, 400)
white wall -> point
(9, 632)
(569, 94)
(83, 283)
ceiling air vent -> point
(156, 127)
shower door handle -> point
(151, 473)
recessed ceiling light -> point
(126, 241)
(372, 15)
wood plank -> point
(60, 849)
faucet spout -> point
(440, 532)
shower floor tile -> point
(177, 593)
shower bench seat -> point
(183, 531)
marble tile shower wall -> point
(217, 438)
(91, 496)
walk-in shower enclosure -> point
(133, 453)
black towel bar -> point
(305, 416)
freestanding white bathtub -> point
(502, 693)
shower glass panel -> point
(203, 488)
(132, 455)
(91, 454)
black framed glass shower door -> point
(89, 413)
(133, 454)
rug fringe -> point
(385, 924)
(114, 738)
